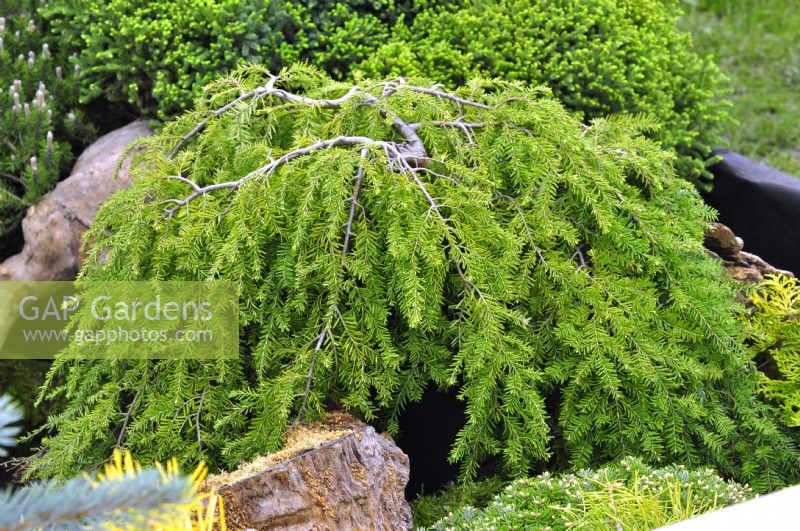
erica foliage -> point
(392, 236)
(37, 92)
(598, 56)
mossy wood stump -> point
(336, 475)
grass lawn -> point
(757, 45)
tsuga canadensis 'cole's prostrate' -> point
(387, 236)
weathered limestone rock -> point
(336, 475)
(743, 267)
(54, 227)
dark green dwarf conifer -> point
(599, 57)
(389, 236)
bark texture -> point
(354, 481)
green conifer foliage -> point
(123, 496)
(598, 56)
(776, 343)
(158, 55)
(389, 236)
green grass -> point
(757, 44)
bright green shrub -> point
(630, 495)
(158, 55)
(38, 89)
(776, 339)
(598, 56)
(552, 272)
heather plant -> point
(598, 56)
(157, 55)
(390, 236)
(38, 89)
(627, 495)
(776, 343)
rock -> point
(722, 244)
(722, 241)
(53, 228)
(764, 268)
(745, 275)
(760, 204)
(335, 475)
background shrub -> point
(629, 495)
(776, 343)
(157, 55)
(560, 285)
(38, 121)
(598, 56)
(341, 34)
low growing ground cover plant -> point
(599, 57)
(628, 495)
(429, 508)
(389, 236)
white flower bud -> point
(39, 100)
(45, 51)
(31, 26)
(59, 72)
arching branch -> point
(269, 89)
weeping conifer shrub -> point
(389, 236)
